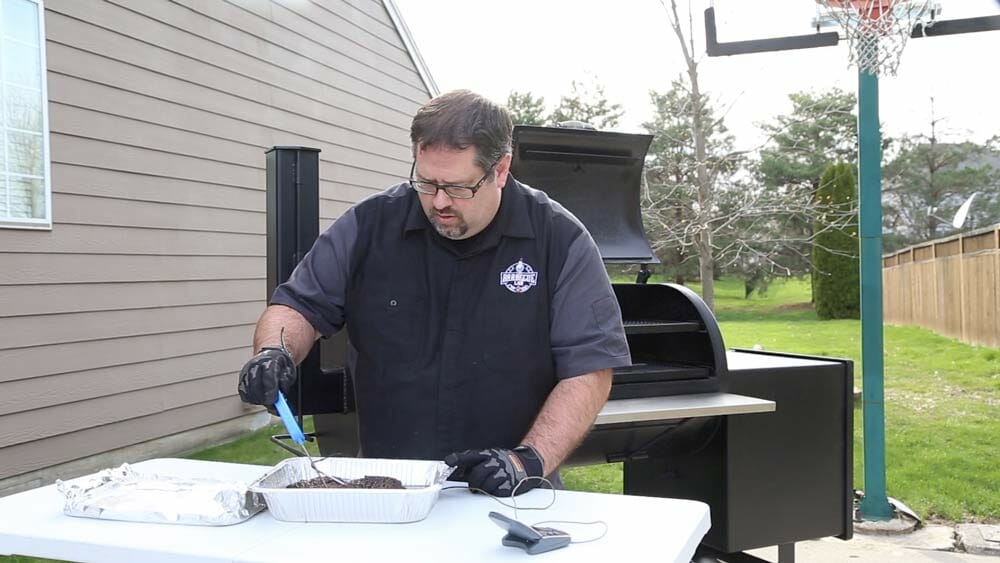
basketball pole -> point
(875, 504)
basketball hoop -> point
(877, 30)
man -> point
(482, 322)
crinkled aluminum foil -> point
(122, 493)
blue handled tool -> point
(285, 412)
(291, 425)
(296, 434)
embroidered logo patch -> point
(519, 277)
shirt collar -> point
(512, 217)
(415, 218)
(516, 221)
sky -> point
(541, 46)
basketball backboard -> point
(794, 24)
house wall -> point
(130, 319)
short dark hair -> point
(462, 119)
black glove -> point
(271, 369)
(498, 471)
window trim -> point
(44, 224)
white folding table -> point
(457, 529)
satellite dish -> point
(963, 212)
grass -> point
(255, 448)
(942, 404)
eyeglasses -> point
(457, 192)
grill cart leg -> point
(705, 554)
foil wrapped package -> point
(122, 493)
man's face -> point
(459, 218)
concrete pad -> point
(899, 525)
(979, 538)
(868, 549)
(927, 538)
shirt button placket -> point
(451, 346)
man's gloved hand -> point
(498, 471)
(271, 369)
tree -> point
(745, 221)
(703, 179)
(835, 251)
(821, 129)
(526, 109)
(589, 105)
(927, 181)
(673, 214)
(700, 200)
(753, 228)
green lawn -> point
(942, 405)
(254, 448)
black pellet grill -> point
(770, 479)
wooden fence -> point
(948, 285)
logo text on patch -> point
(519, 277)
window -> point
(25, 192)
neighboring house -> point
(132, 228)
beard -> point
(454, 231)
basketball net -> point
(877, 30)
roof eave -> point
(411, 46)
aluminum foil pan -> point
(422, 479)
(122, 493)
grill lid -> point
(596, 175)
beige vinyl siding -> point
(41, 392)
(40, 361)
(129, 320)
(97, 267)
(90, 180)
(40, 330)
(28, 455)
(47, 299)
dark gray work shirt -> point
(457, 344)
